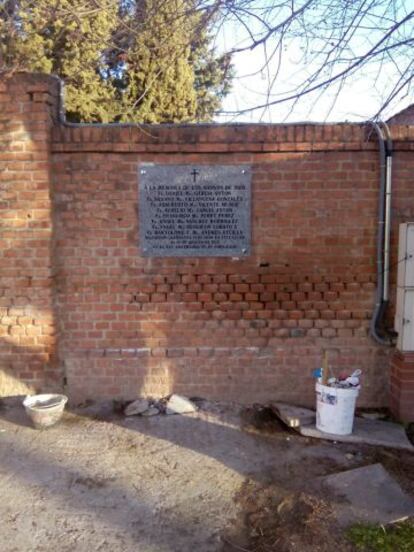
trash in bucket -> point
(335, 399)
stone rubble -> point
(152, 411)
(136, 407)
(175, 404)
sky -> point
(360, 98)
(358, 101)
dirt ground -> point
(223, 479)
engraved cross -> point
(194, 174)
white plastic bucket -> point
(335, 409)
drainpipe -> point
(387, 229)
(383, 234)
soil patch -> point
(277, 521)
(262, 419)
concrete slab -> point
(368, 494)
(293, 416)
(366, 431)
(369, 432)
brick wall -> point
(27, 331)
(402, 385)
(248, 329)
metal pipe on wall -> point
(387, 229)
(383, 233)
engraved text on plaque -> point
(188, 210)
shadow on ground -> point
(209, 481)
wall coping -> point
(202, 137)
(223, 138)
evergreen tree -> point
(157, 78)
(213, 75)
(121, 60)
(65, 37)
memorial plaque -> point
(187, 210)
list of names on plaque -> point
(203, 211)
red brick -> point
(188, 279)
(249, 315)
(226, 288)
(203, 297)
(158, 297)
(241, 288)
(210, 288)
(194, 288)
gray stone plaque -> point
(188, 210)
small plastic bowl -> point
(45, 410)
